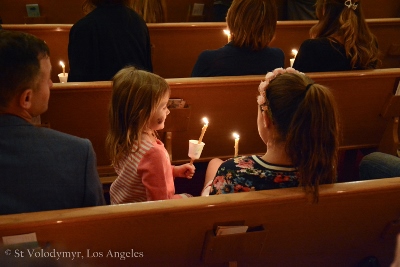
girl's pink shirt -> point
(144, 175)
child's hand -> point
(185, 170)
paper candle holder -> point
(63, 77)
(195, 149)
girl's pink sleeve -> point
(156, 173)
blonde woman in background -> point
(152, 11)
(252, 25)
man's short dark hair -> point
(20, 55)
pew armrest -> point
(392, 107)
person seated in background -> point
(379, 165)
(301, 10)
(111, 36)
(298, 122)
(152, 11)
(252, 25)
(220, 9)
(41, 169)
(340, 41)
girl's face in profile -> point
(157, 120)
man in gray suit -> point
(40, 169)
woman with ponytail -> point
(341, 40)
(297, 121)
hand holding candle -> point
(294, 52)
(236, 144)
(195, 149)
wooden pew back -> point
(177, 10)
(56, 37)
(230, 105)
(194, 38)
(176, 46)
(351, 221)
(71, 11)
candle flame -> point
(294, 52)
(62, 64)
(235, 135)
(227, 32)
(205, 121)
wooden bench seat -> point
(351, 221)
(176, 46)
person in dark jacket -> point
(110, 37)
(252, 25)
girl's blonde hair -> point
(336, 19)
(252, 23)
(136, 95)
(305, 116)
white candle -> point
(294, 52)
(236, 144)
(63, 67)
(203, 130)
(228, 33)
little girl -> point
(138, 109)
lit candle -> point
(228, 33)
(294, 52)
(236, 144)
(63, 67)
(203, 130)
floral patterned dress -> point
(244, 174)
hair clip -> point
(262, 98)
(351, 5)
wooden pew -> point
(351, 221)
(230, 105)
(71, 11)
(176, 46)
(177, 10)
(56, 37)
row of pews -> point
(368, 110)
(352, 220)
(177, 10)
(176, 46)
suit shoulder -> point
(51, 134)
